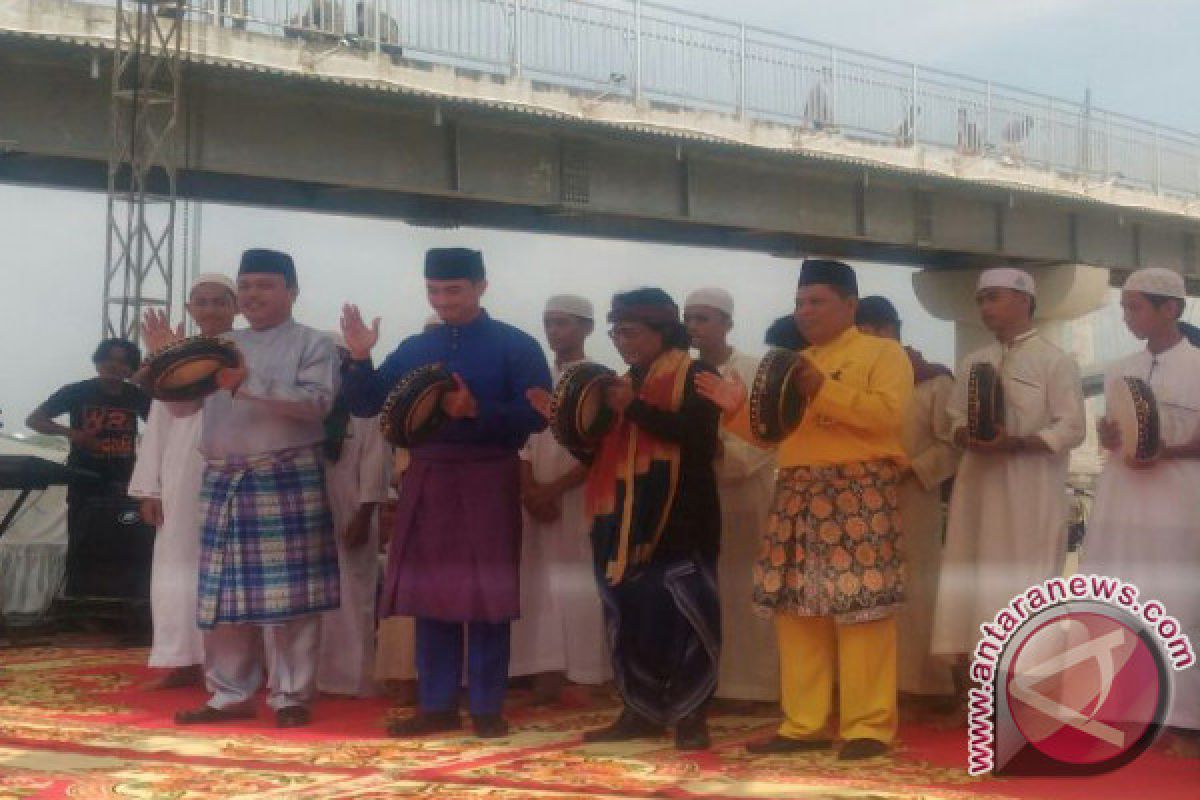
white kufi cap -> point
(571, 304)
(215, 278)
(1007, 278)
(1156, 280)
(712, 297)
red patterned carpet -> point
(76, 722)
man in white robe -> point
(560, 633)
(933, 459)
(356, 478)
(166, 477)
(1006, 529)
(1145, 523)
(746, 481)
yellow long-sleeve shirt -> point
(859, 412)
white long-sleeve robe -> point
(1006, 529)
(1145, 524)
(561, 628)
(169, 467)
(746, 481)
(928, 441)
(347, 656)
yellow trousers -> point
(864, 655)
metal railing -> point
(660, 55)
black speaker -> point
(110, 550)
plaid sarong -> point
(267, 547)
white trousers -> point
(234, 662)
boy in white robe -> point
(356, 478)
(1006, 529)
(166, 477)
(933, 459)
(746, 482)
(1145, 523)
(560, 634)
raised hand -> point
(807, 378)
(540, 399)
(156, 329)
(726, 394)
(459, 403)
(360, 337)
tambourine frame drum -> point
(413, 409)
(1131, 404)
(579, 415)
(985, 402)
(776, 405)
(186, 369)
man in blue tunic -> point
(455, 554)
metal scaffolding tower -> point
(146, 88)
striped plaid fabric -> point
(267, 548)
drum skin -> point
(1136, 413)
(186, 369)
(776, 405)
(413, 409)
(579, 415)
(985, 402)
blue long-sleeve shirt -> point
(498, 363)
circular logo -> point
(1087, 689)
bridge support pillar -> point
(1064, 292)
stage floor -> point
(78, 722)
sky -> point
(1138, 56)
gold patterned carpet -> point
(77, 722)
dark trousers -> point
(664, 629)
(440, 664)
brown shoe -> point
(782, 744)
(424, 723)
(859, 749)
(292, 717)
(207, 715)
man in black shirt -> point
(102, 428)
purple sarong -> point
(455, 554)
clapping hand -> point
(359, 337)
(231, 378)
(807, 378)
(727, 394)
(539, 398)
(156, 329)
(459, 403)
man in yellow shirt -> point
(830, 567)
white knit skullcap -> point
(1007, 278)
(571, 304)
(1156, 280)
(712, 297)
(215, 278)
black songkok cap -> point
(876, 310)
(831, 273)
(454, 264)
(270, 261)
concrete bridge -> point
(613, 118)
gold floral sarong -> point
(832, 543)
